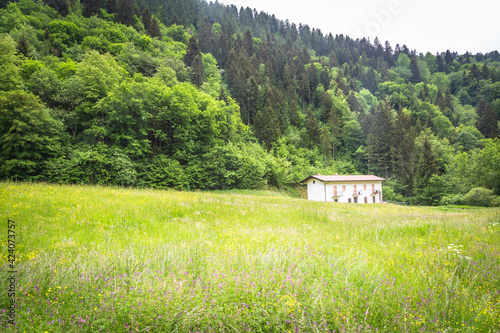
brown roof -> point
(346, 178)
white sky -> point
(424, 25)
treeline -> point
(190, 94)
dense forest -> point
(190, 95)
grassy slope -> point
(93, 258)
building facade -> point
(363, 189)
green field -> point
(96, 259)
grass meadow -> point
(97, 259)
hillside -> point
(90, 258)
(197, 95)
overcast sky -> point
(424, 25)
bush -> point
(482, 197)
(228, 167)
(92, 165)
(164, 172)
(390, 195)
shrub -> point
(164, 172)
(482, 197)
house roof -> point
(345, 178)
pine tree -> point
(125, 11)
(380, 136)
(487, 122)
(388, 56)
(440, 64)
(312, 135)
(403, 151)
(426, 168)
(154, 29)
(198, 71)
(192, 52)
(415, 72)
(336, 124)
(146, 18)
(206, 37)
(448, 59)
(266, 126)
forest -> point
(189, 94)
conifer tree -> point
(380, 136)
(415, 72)
(426, 167)
(192, 52)
(154, 28)
(266, 126)
(487, 122)
(440, 64)
(403, 152)
(312, 135)
(206, 37)
(146, 18)
(198, 71)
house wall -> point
(316, 191)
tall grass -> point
(95, 259)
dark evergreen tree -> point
(487, 122)
(192, 52)
(448, 59)
(91, 7)
(146, 18)
(441, 67)
(266, 126)
(379, 138)
(206, 37)
(154, 28)
(312, 136)
(388, 56)
(415, 72)
(403, 151)
(427, 167)
(125, 11)
(198, 71)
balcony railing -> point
(375, 192)
(338, 194)
(357, 193)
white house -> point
(346, 189)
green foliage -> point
(177, 33)
(164, 172)
(187, 80)
(92, 165)
(99, 74)
(390, 195)
(29, 135)
(9, 72)
(481, 196)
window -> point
(335, 190)
(355, 199)
(336, 200)
(314, 182)
(373, 199)
(366, 200)
(349, 200)
(364, 187)
(343, 187)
